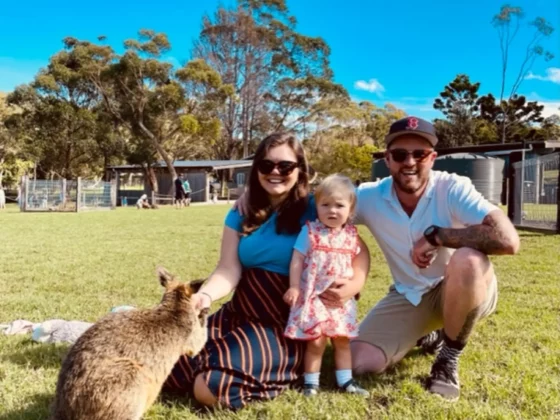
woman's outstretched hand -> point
(201, 301)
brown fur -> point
(116, 369)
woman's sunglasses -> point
(285, 167)
(400, 155)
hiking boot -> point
(352, 387)
(444, 379)
(431, 343)
(310, 390)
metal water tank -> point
(485, 172)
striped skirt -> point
(247, 358)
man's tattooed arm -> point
(495, 235)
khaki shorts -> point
(395, 325)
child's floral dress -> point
(328, 258)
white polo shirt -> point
(449, 200)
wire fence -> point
(48, 195)
(536, 192)
(95, 195)
(65, 195)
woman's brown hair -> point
(293, 207)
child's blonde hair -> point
(337, 183)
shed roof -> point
(193, 164)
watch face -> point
(429, 230)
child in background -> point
(323, 253)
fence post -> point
(514, 157)
(558, 198)
(63, 198)
(113, 194)
(153, 198)
(26, 191)
(78, 193)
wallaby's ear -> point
(165, 277)
(195, 285)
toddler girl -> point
(323, 253)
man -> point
(179, 193)
(436, 232)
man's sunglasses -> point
(285, 167)
(400, 155)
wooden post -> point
(78, 194)
(26, 192)
(153, 198)
(207, 196)
(117, 187)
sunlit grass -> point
(78, 266)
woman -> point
(247, 357)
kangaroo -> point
(117, 367)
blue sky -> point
(403, 52)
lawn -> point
(77, 266)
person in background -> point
(142, 202)
(179, 193)
(187, 190)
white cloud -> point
(550, 108)
(372, 86)
(552, 75)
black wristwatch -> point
(430, 234)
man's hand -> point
(291, 296)
(423, 253)
(242, 204)
(338, 293)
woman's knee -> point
(367, 358)
(202, 393)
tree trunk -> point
(152, 179)
(165, 156)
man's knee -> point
(367, 358)
(470, 268)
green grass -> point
(77, 266)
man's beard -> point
(409, 188)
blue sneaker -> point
(310, 390)
(352, 387)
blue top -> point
(302, 243)
(264, 248)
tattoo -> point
(468, 326)
(495, 235)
